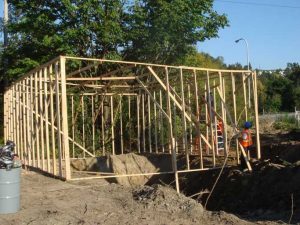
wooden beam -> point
(65, 118)
(256, 116)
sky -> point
(271, 28)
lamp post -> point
(248, 67)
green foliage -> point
(200, 59)
(153, 31)
(280, 92)
(165, 31)
(285, 123)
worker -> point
(246, 142)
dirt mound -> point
(164, 198)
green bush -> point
(286, 123)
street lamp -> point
(248, 67)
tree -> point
(154, 30)
(165, 31)
(42, 30)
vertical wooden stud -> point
(149, 124)
(112, 125)
(65, 118)
(235, 116)
(210, 116)
(185, 147)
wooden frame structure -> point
(75, 107)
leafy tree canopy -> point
(154, 30)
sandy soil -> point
(45, 200)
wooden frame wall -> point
(179, 104)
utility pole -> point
(5, 42)
(5, 21)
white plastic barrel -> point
(10, 190)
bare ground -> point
(46, 200)
(263, 195)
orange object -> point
(246, 140)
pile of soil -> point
(271, 191)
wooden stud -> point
(103, 127)
(210, 116)
(112, 125)
(198, 116)
(58, 120)
(149, 124)
(52, 85)
(65, 118)
(245, 97)
(235, 116)
(223, 114)
(93, 125)
(138, 122)
(155, 123)
(256, 116)
(25, 146)
(171, 137)
(161, 127)
(28, 117)
(73, 126)
(121, 126)
(83, 123)
(215, 118)
(129, 121)
(185, 147)
(190, 122)
(42, 119)
(46, 119)
(206, 119)
(143, 123)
